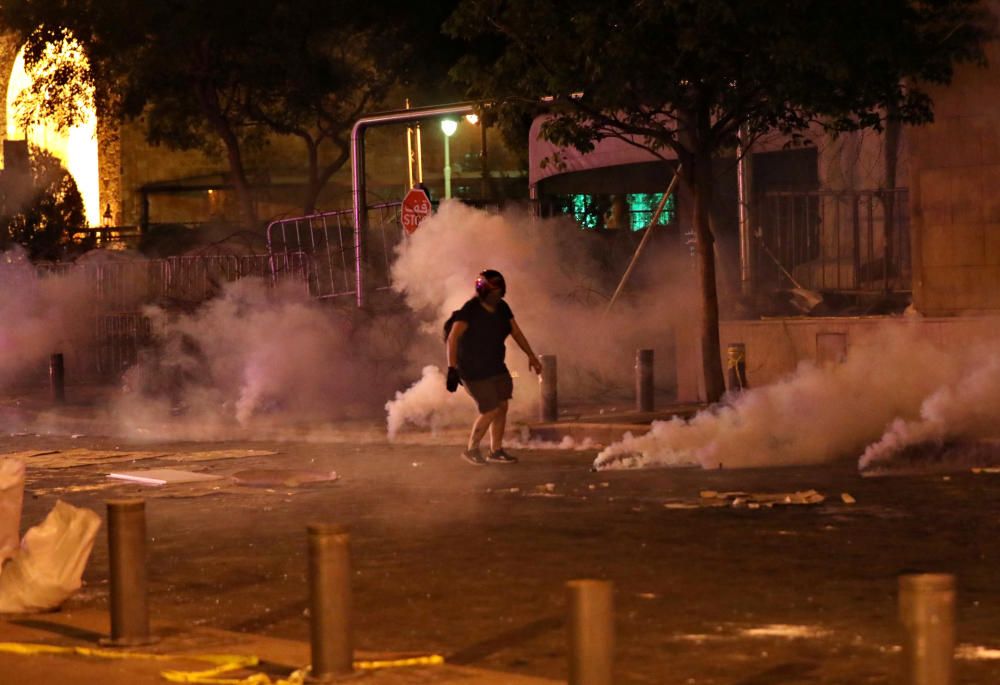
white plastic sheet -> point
(49, 565)
(11, 500)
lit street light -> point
(448, 127)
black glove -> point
(453, 379)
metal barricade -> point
(323, 244)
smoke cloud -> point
(895, 389)
(558, 283)
(40, 315)
(252, 359)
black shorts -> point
(490, 392)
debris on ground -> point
(213, 455)
(65, 459)
(757, 500)
(285, 477)
(846, 498)
(49, 565)
(163, 476)
(69, 489)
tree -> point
(42, 209)
(225, 74)
(689, 75)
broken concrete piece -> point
(163, 476)
(285, 477)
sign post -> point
(416, 207)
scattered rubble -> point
(289, 478)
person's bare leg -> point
(480, 427)
(498, 426)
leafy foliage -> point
(43, 210)
(691, 77)
(223, 75)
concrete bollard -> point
(736, 363)
(127, 567)
(927, 611)
(330, 602)
(549, 388)
(57, 378)
(644, 380)
(591, 632)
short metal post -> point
(644, 380)
(57, 378)
(736, 361)
(549, 388)
(927, 611)
(591, 632)
(127, 568)
(330, 602)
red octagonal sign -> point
(416, 206)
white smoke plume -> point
(967, 408)
(40, 314)
(818, 414)
(428, 405)
(558, 290)
(252, 359)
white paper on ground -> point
(163, 476)
(48, 567)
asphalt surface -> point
(471, 562)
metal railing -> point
(322, 245)
(118, 289)
(128, 284)
(847, 241)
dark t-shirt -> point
(481, 349)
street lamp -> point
(448, 127)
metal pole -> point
(743, 179)
(548, 382)
(644, 380)
(360, 193)
(645, 238)
(57, 378)
(927, 611)
(591, 632)
(447, 166)
(330, 601)
(127, 568)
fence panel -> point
(324, 246)
(847, 241)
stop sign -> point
(416, 206)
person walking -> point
(476, 338)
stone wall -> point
(955, 203)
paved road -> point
(471, 561)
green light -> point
(642, 205)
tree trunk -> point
(700, 183)
(210, 106)
(313, 186)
